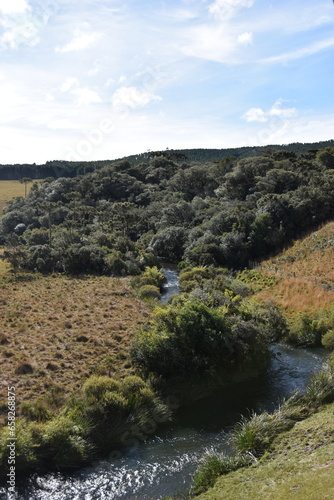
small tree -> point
(25, 181)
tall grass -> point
(253, 436)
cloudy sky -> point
(101, 79)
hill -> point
(301, 278)
(64, 168)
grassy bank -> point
(298, 466)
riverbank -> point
(298, 466)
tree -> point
(25, 181)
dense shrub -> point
(328, 340)
(190, 337)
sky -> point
(103, 79)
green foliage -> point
(37, 411)
(149, 292)
(312, 330)
(321, 388)
(119, 217)
(61, 434)
(25, 447)
(255, 434)
(328, 340)
(257, 280)
(214, 466)
(189, 337)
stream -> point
(163, 465)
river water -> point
(164, 464)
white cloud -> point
(245, 38)
(255, 115)
(85, 96)
(304, 52)
(133, 98)
(259, 115)
(81, 40)
(215, 43)
(69, 83)
(277, 110)
(13, 6)
(225, 9)
(21, 29)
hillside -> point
(299, 466)
(302, 276)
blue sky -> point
(101, 79)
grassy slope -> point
(66, 329)
(304, 273)
(300, 466)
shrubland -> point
(122, 219)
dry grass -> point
(11, 189)
(65, 329)
(304, 272)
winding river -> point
(164, 464)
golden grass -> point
(304, 272)
(67, 329)
(11, 189)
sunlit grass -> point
(304, 274)
(66, 329)
(11, 189)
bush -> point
(149, 292)
(96, 387)
(190, 337)
(328, 340)
(63, 443)
(114, 407)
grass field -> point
(304, 274)
(11, 189)
(56, 331)
(300, 466)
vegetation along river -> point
(164, 464)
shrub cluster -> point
(106, 412)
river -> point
(164, 464)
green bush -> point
(152, 276)
(112, 407)
(26, 447)
(328, 340)
(190, 337)
(149, 292)
(95, 387)
(63, 443)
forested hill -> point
(62, 168)
(123, 217)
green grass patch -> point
(299, 466)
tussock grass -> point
(260, 439)
(66, 330)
